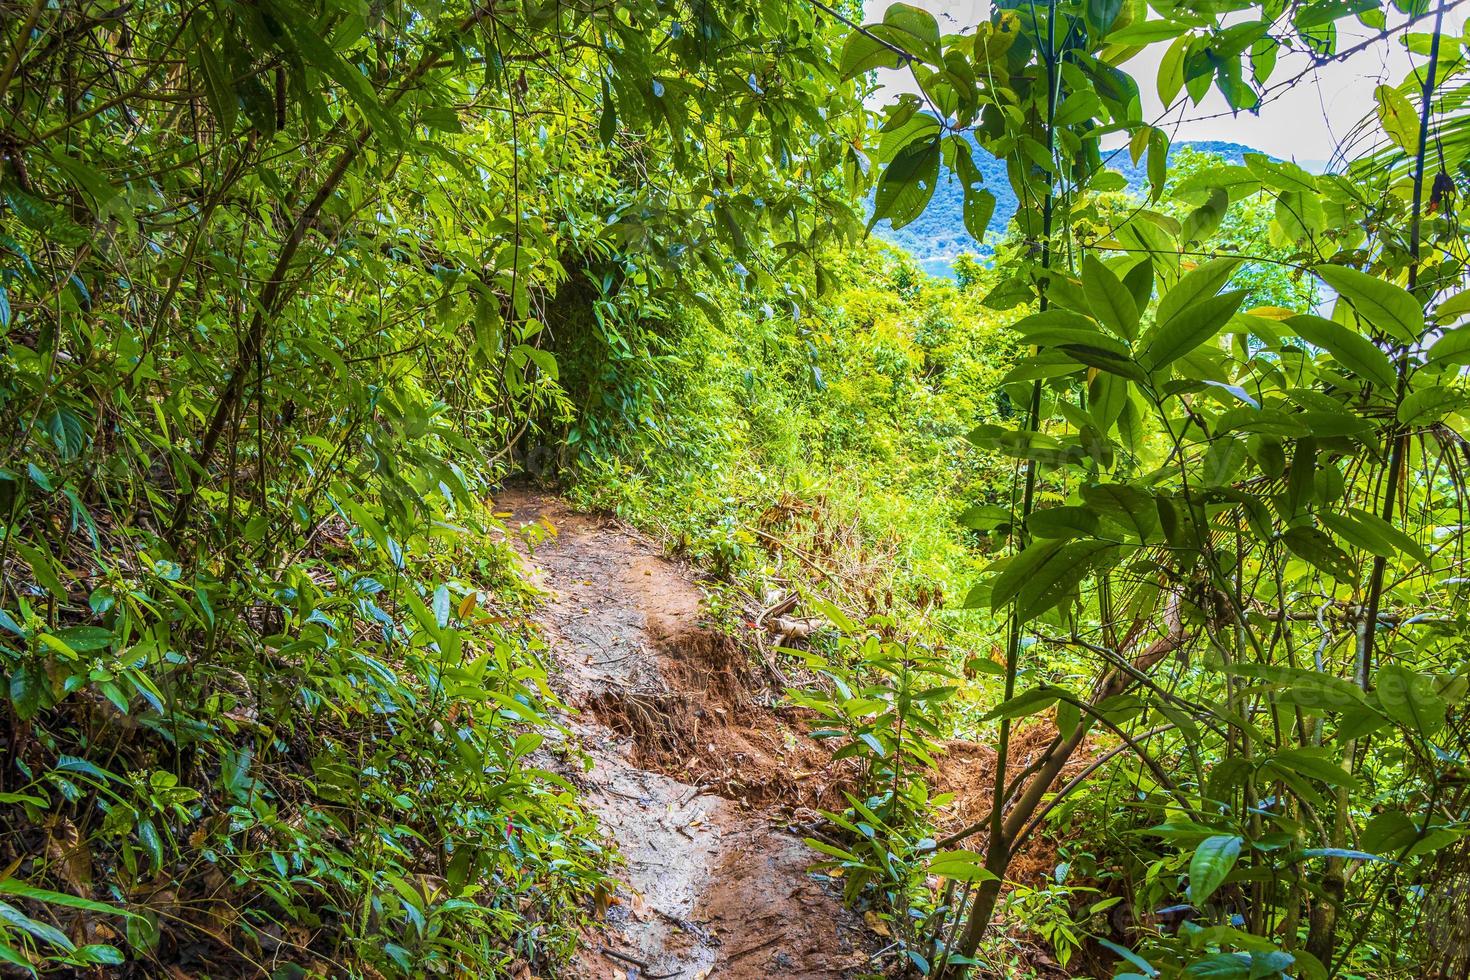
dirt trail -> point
(684, 756)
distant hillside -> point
(938, 236)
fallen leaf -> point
(876, 924)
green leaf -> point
(1237, 182)
(1299, 217)
(86, 639)
(1108, 396)
(218, 91)
(1352, 350)
(1110, 300)
(1202, 222)
(1068, 716)
(441, 605)
(1061, 323)
(985, 517)
(1308, 688)
(977, 204)
(1140, 282)
(71, 763)
(1355, 722)
(99, 954)
(1188, 329)
(863, 53)
(1211, 864)
(1318, 549)
(1281, 174)
(1059, 576)
(959, 866)
(1147, 32)
(1198, 284)
(872, 742)
(1301, 481)
(1102, 13)
(1263, 58)
(1409, 698)
(1062, 522)
(41, 930)
(1452, 308)
(1171, 69)
(831, 851)
(1452, 347)
(29, 690)
(41, 217)
(607, 123)
(1398, 117)
(1373, 534)
(1435, 838)
(15, 958)
(1018, 569)
(1147, 968)
(901, 130)
(544, 360)
(1234, 391)
(1386, 306)
(8, 622)
(1425, 406)
(1026, 703)
(1023, 445)
(908, 183)
(1126, 506)
(1103, 353)
(1158, 161)
(42, 568)
(1220, 966)
(1079, 338)
(320, 54)
(1314, 763)
(912, 29)
(1342, 852)
(1389, 832)
(1008, 294)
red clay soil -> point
(967, 769)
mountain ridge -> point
(938, 236)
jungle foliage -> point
(287, 288)
(1237, 425)
(274, 283)
(1243, 520)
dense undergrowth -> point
(274, 286)
(860, 400)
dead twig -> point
(641, 964)
(753, 949)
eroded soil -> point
(689, 758)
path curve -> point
(711, 885)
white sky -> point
(1305, 123)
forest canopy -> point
(1163, 500)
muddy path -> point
(690, 762)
